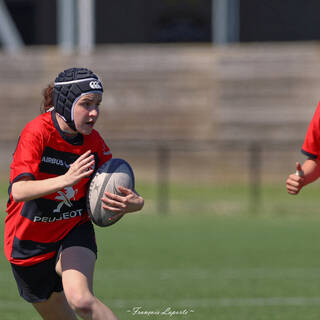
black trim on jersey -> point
(55, 161)
(308, 154)
(17, 178)
(42, 210)
(75, 140)
(25, 174)
(25, 249)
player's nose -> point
(94, 111)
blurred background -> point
(210, 91)
(209, 100)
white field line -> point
(217, 303)
(199, 273)
(254, 273)
(190, 304)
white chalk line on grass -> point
(203, 273)
(191, 303)
(219, 303)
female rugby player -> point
(49, 238)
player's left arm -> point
(27, 189)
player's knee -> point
(82, 304)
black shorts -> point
(36, 283)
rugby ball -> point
(113, 173)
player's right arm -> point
(305, 174)
(310, 170)
(27, 189)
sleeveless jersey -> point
(34, 228)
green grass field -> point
(209, 258)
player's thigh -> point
(80, 236)
(77, 267)
(56, 307)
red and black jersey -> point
(311, 145)
(34, 228)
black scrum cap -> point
(69, 86)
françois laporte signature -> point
(168, 311)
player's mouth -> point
(90, 123)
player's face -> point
(86, 112)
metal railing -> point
(165, 152)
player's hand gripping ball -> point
(111, 175)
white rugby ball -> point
(113, 173)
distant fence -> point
(254, 162)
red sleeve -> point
(311, 145)
(27, 156)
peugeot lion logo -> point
(65, 198)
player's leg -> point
(56, 307)
(77, 266)
(40, 285)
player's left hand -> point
(129, 201)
